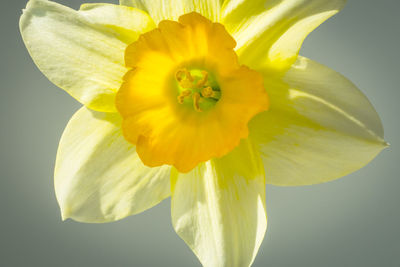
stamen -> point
(179, 75)
(188, 75)
(196, 100)
(202, 82)
(184, 78)
(183, 73)
(197, 87)
(207, 92)
(183, 95)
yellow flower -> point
(194, 100)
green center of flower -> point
(197, 88)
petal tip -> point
(65, 214)
(64, 217)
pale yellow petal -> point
(172, 9)
(99, 176)
(270, 33)
(127, 21)
(133, 3)
(218, 208)
(319, 127)
(76, 50)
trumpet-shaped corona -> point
(186, 98)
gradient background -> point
(353, 221)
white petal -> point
(218, 209)
(76, 51)
(319, 127)
(99, 176)
(270, 33)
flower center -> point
(197, 88)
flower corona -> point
(195, 98)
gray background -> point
(353, 221)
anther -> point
(184, 78)
(183, 95)
(202, 82)
(196, 100)
(207, 92)
(183, 73)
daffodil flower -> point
(203, 101)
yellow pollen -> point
(183, 95)
(196, 100)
